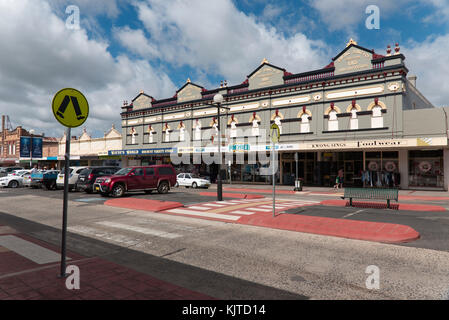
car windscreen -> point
(165, 171)
(85, 172)
(123, 172)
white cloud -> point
(216, 38)
(428, 60)
(40, 56)
(347, 14)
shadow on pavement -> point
(210, 283)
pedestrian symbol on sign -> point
(70, 107)
(64, 105)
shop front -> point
(426, 168)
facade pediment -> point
(266, 75)
(142, 101)
(353, 59)
(189, 92)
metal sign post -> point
(65, 202)
(274, 178)
(70, 109)
(275, 134)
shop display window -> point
(426, 168)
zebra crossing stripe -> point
(245, 213)
(147, 231)
(204, 214)
(213, 205)
(198, 208)
(258, 209)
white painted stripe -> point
(258, 209)
(198, 208)
(29, 250)
(205, 214)
(226, 202)
(245, 213)
(213, 205)
(105, 235)
(147, 231)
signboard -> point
(275, 133)
(70, 107)
(25, 147)
(33, 146)
(36, 147)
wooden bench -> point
(371, 193)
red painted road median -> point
(383, 205)
(351, 229)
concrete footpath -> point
(29, 270)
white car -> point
(13, 181)
(73, 177)
(191, 180)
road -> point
(231, 261)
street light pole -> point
(218, 100)
(31, 149)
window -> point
(138, 172)
(354, 122)
(165, 171)
(305, 124)
(377, 120)
(149, 171)
(333, 121)
(181, 176)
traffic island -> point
(350, 229)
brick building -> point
(10, 147)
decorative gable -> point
(353, 59)
(189, 92)
(142, 101)
(266, 75)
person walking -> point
(340, 178)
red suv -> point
(157, 177)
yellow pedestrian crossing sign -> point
(275, 133)
(70, 107)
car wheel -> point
(194, 185)
(118, 191)
(163, 187)
(13, 184)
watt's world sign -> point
(135, 152)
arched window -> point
(333, 121)
(354, 121)
(197, 129)
(182, 129)
(377, 121)
(305, 124)
(377, 108)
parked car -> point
(87, 177)
(18, 172)
(27, 179)
(73, 177)
(149, 178)
(12, 181)
(7, 170)
(44, 178)
(192, 180)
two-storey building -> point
(360, 114)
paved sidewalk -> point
(24, 277)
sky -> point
(124, 46)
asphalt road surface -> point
(232, 261)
